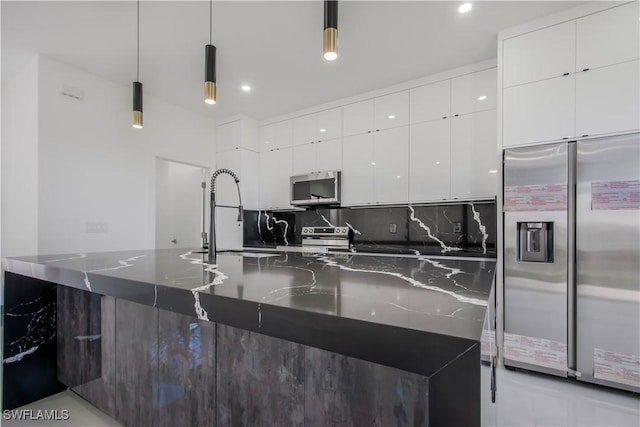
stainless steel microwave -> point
(319, 188)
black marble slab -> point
(29, 356)
(329, 302)
(451, 229)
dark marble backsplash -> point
(462, 229)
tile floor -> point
(523, 399)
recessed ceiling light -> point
(437, 163)
(323, 130)
(267, 142)
(373, 163)
(391, 116)
(246, 88)
(482, 98)
(465, 7)
(398, 177)
(493, 171)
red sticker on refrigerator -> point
(615, 195)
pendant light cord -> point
(138, 47)
(210, 21)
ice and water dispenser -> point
(535, 242)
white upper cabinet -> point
(328, 155)
(316, 157)
(358, 117)
(305, 129)
(275, 171)
(391, 169)
(276, 135)
(429, 165)
(228, 136)
(383, 112)
(391, 110)
(430, 102)
(315, 127)
(357, 169)
(474, 92)
(329, 124)
(474, 158)
(304, 159)
(608, 37)
(608, 99)
(542, 54)
(541, 111)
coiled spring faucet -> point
(212, 220)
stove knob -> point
(305, 230)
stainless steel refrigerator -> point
(572, 259)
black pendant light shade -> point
(330, 38)
(137, 86)
(137, 105)
(210, 74)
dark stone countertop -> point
(415, 314)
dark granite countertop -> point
(415, 314)
(400, 249)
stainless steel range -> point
(335, 237)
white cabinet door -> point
(474, 158)
(329, 124)
(357, 169)
(539, 55)
(430, 102)
(608, 99)
(228, 136)
(267, 136)
(304, 159)
(609, 37)
(391, 169)
(305, 129)
(275, 171)
(391, 110)
(541, 111)
(429, 161)
(283, 134)
(358, 117)
(474, 92)
(328, 155)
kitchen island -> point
(161, 337)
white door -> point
(179, 204)
(357, 169)
(391, 110)
(391, 170)
(474, 92)
(358, 117)
(474, 158)
(430, 102)
(429, 161)
(608, 99)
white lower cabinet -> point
(429, 161)
(474, 158)
(275, 171)
(540, 111)
(391, 169)
(608, 99)
(357, 169)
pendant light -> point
(137, 86)
(210, 63)
(330, 39)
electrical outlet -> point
(96, 227)
(393, 228)
(457, 227)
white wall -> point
(88, 169)
(20, 161)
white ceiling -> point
(276, 47)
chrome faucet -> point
(212, 220)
